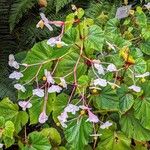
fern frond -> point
(61, 3)
(18, 9)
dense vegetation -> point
(74, 75)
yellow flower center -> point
(59, 45)
(44, 78)
(82, 112)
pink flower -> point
(54, 88)
(92, 118)
(72, 108)
(49, 77)
(43, 117)
(46, 22)
(38, 92)
(16, 75)
(106, 125)
(12, 62)
(63, 118)
(63, 82)
(99, 67)
(135, 88)
(25, 104)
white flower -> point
(63, 82)
(106, 125)
(1, 145)
(147, 6)
(143, 75)
(38, 92)
(43, 117)
(54, 88)
(56, 41)
(52, 41)
(25, 104)
(111, 68)
(72, 108)
(12, 62)
(20, 87)
(63, 118)
(92, 118)
(100, 82)
(46, 22)
(16, 75)
(49, 77)
(135, 88)
(99, 68)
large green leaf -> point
(37, 141)
(112, 140)
(133, 129)
(141, 18)
(77, 133)
(10, 111)
(142, 106)
(107, 99)
(95, 38)
(126, 100)
(67, 65)
(59, 104)
(8, 134)
(41, 53)
(140, 66)
(142, 111)
(53, 135)
(112, 26)
(37, 107)
(145, 47)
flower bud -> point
(43, 3)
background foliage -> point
(18, 34)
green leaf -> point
(8, 134)
(67, 66)
(95, 38)
(10, 111)
(59, 104)
(111, 26)
(112, 140)
(107, 99)
(42, 55)
(37, 141)
(18, 9)
(9, 129)
(141, 18)
(133, 129)
(140, 66)
(2, 121)
(35, 110)
(77, 133)
(126, 100)
(70, 36)
(53, 135)
(27, 94)
(142, 111)
(145, 47)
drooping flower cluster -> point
(73, 109)
(54, 40)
